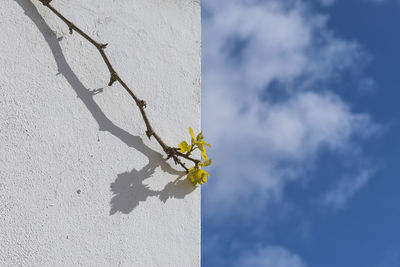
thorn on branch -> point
(45, 2)
(101, 46)
(113, 78)
(149, 133)
(70, 27)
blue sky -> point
(300, 104)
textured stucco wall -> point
(80, 184)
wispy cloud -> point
(270, 256)
(268, 108)
(345, 188)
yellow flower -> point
(183, 147)
(197, 176)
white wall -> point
(80, 184)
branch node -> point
(170, 151)
(142, 104)
(70, 30)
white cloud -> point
(260, 145)
(271, 256)
(345, 188)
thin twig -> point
(188, 157)
(114, 77)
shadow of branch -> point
(128, 189)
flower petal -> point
(200, 136)
(204, 155)
(191, 134)
(205, 163)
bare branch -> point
(114, 77)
